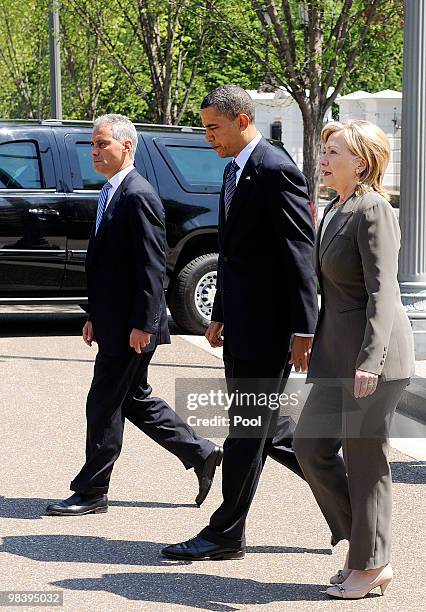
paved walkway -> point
(111, 562)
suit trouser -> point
(354, 494)
(245, 451)
(120, 390)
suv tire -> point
(191, 295)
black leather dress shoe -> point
(199, 549)
(205, 474)
(79, 504)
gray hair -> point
(230, 100)
(121, 128)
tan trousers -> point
(354, 494)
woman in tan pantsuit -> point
(361, 360)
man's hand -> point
(139, 339)
(88, 336)
(365, 383)
(214, 334)
(300, 352)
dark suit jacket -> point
(266, 286)
(363, 323)
(125, 267)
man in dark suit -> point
(265, 307)
(125, 269)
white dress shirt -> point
(241, 159)
(116, 181)
(243, 156)
(328, 217)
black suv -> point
(48, 199)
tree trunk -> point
(312, 126)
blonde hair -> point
(368, 142)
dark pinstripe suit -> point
(125, 270)
(266, 291)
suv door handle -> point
(44, 211)
(79, 254)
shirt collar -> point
(243, 157)
(118, 178)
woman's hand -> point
(365, 383)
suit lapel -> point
(248, 176)
(112, 207)
(318, 240)
(336, 224)
(222, 220)
(109, 213)
(90, 246)
(333, 228)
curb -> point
(413, 401)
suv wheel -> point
(191, 297)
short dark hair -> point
(230, 100)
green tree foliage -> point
(313, 49)
(104, 69)
(24, 62)
(381, 64)
(155, 59)
(161, 39)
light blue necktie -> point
(230, 185)
(103, 197)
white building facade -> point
(382, 108)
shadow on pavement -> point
(85, 549)
(154, 363)
(410, 472)
(34, 508)
(59, 548)
(200, 591)
(32, 358)
(27, 324)
(41, 324)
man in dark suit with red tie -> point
(265, 309)
(125, 268)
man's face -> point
(223, 133)
(109, 155)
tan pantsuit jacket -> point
(362, 323)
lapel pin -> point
(248, 178)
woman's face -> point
(339, 165)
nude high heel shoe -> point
(342, 574)
(354, 589)
(340, 577)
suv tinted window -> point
(19, 166)
(198, 165)
(90, 178)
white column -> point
(412, 269)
